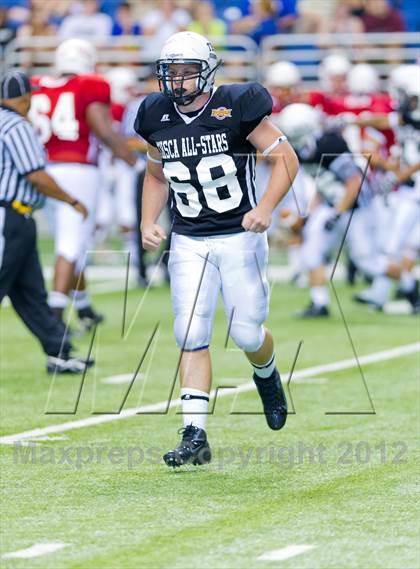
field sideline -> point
(344, 485)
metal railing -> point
(239, 53)
(243, 59)
(382, 50)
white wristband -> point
(153, 159)
(281, 139)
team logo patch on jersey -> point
(221, 113)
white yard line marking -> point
(47, 438)
(162, 405)
(285, 552)
(121, 378)
(35, 551)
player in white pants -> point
(400, 248)
(202, 140)
(401, 243)
(71, 233)
(342, 195)
(67, 110)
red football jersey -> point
(375, 103)
(117, 111)
(314, 98)
(58, 111)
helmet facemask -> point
(172, 85)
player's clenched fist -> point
(152, 236)
(257, 220)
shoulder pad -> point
(253, 102)
(149, 114)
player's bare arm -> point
(349, 198)
(155, 196)
(406, 173)
(99, 120)
(285, 165)
(137, 145)
(46, 185)
(379, 121)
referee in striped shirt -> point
(24, 184)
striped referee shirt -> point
(21, 153)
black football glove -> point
(331, 222)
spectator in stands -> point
(313, 14)
(411, 15)
(17, 14)
(356, 7)
(7, 32)
(205, 22)
(343, 21)
(86, 21)
(124, 22)
(110, 7)
(38, 23)
(233, 10)
(287, 15)
(163, 22)
(261, 22)
(380, 16)
(57, 9)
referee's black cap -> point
(14, 84)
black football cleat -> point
(351, 273)
(314, 311)
(89, 318)
(68, 364)
(193, 448)
(415, 309)
(273, 399)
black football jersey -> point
(408, 136)
(206, 157)
(331, 163)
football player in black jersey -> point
(342, 191)
(202, 143)
(401, 187)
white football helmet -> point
(398, 80)
(187, 48)
(283, 74)
(411, 83)
(403, 82)
(301, 123)
(76, 56)
(409, 101)
(333, 65)
(123, 81)
(363, 79)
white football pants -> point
(72, 233)
(200, 268)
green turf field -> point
(344, 483)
